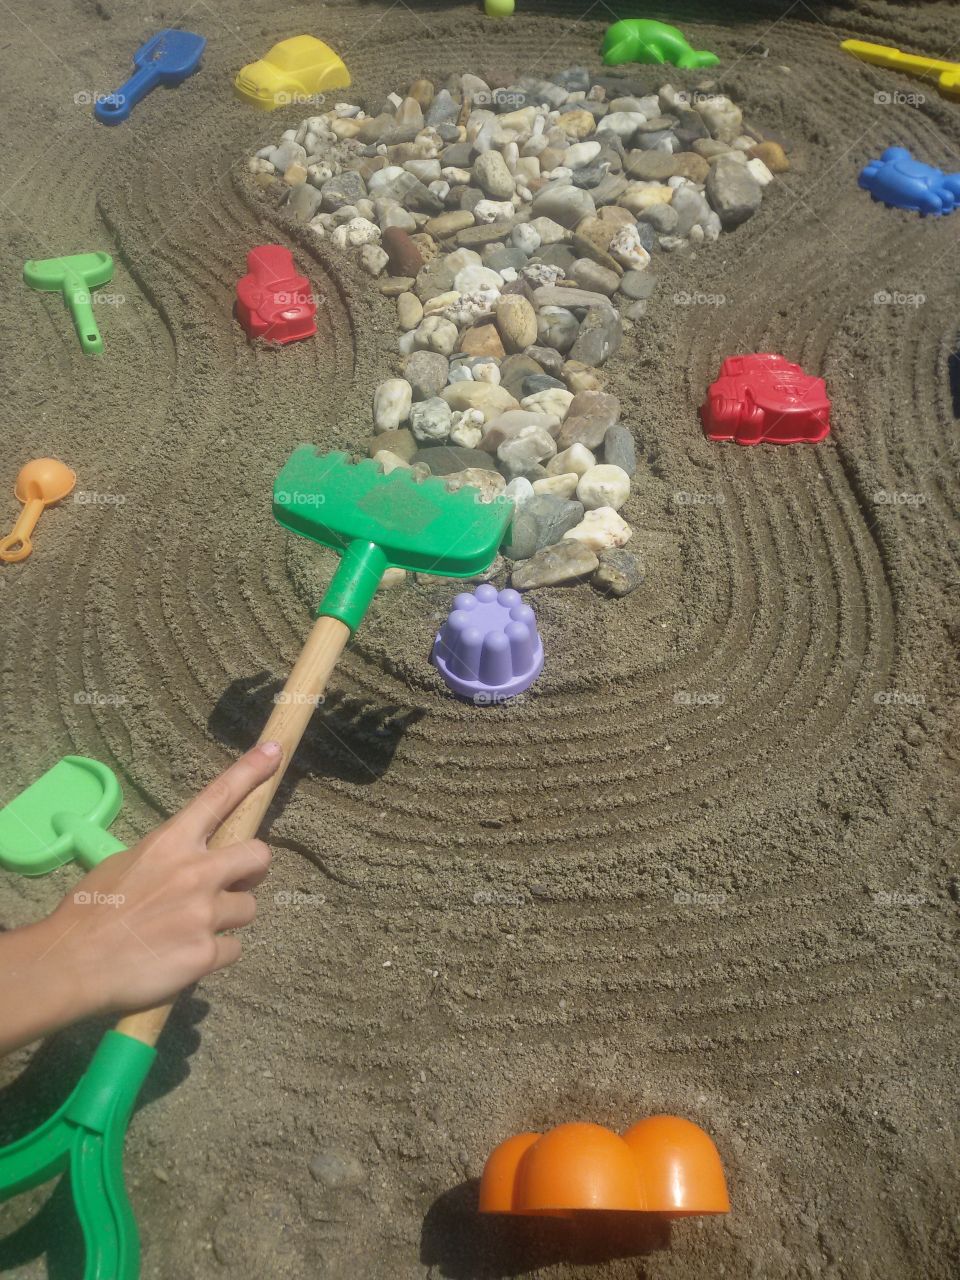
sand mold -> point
(518, 870)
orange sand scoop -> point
(39, 484)
(662, 1165)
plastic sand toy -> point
(293, 71)
(63, 815)
(946, 74)
(74, 276)
(40, 484)
(273, 300)
(166, 58)
(664, 1165)
(489, 649)
(901, 182)
(764, 399)
(646, 40)
(498, 8)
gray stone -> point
(609, 190)
(346, 188)
(421, 199)
(600, 336)
(566, 205)
(557, 328)
(431, 419)
(448, 459)
(553, 295)
(444, 109)
(498, 257)
(433, 279)
(556, 255)
(541, 382)
(619, 449)
(591, 275)
(648, 237)
(514, 370)
(539, 522)
(618, 573)
(518, 454)
(535, 92)
(476, 237)
(590, 415)
(638, 285)
(566, 562)
(304, 201)
(733, 192)
(662, 217)
(691, 209)
(589, 177)
(490, 170)
(551, 360)
(286, 154)
(574, 79)
(663, 140)
(336, 1169)
(426, 371)
(457, 156)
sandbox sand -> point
(707, 866)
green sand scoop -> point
(61, 816)
(374, 521)
(74, 277)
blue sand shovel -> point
(167, 58)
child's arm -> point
(143, 924)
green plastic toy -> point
(375, 521)
(648, 41)
(379, 521)
(61, 816)
(74, 277)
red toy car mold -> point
(764, 399)
(273, 302)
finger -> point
(228, 952)
(237, 863)
(234, 910)
(218, 800)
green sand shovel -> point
(374, 521)
(61, 816)
(74, 277)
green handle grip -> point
(354, 583)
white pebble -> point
(389, 461)
(627, 249)
(356, 232)
(391, 403)
(604, 486)
(555, 401)
(760, 171)
(577, 459)
(434, 333)
(492, 210)
(562, 485)
(469, 279)
(519, 490)
(600, 529)
(525, 237)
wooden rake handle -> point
(287, 725)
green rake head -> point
(379, 521)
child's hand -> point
(144, 923)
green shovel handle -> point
(78, 299)
(90, 843)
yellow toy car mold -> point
(298, 70)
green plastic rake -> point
(374, 521)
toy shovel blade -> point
(166, 58)
(62, 815)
